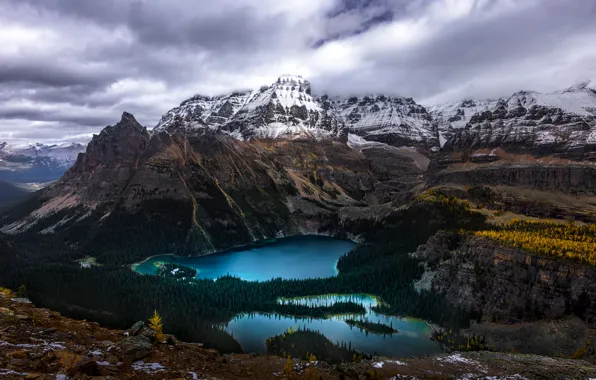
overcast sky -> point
(69, 67)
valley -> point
(236, 218)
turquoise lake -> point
(300, 258)
(287, 258)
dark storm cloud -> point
(175, 22)
(58, 74)
(27, 113)
(486, 47)
(68, 67)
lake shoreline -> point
(248, 247)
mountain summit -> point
(286, 109)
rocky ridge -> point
(286, 109)
(561, 124)
(476, 274)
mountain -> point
(214, 189)
(37, 162)
(392, 120)
(554, 126)
(286, 109)
(276, 161)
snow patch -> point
(10, 372)
(150, 368)
(456, 358)
(381, 363)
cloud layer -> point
(69, 67)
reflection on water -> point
(299, 258)
(252, 330)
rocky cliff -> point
(506, 284)
(571, 178)
(227, 191)
(559, 125)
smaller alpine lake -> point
(410, 336)
(304, 257)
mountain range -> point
(561, 122)
(304, 155)
(37, 162)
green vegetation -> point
(115, 296)
(307, 343)
(372, 327)
(458, 342)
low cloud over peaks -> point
(68, 67)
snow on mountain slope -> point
(577, 104)
(37, 162)
(286, 109)
(453, 116)
(561, 124)
(393, 120)
(212, 111)
(62, 154)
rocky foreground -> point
(41, 344)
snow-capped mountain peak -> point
(286, 109)
(575, 104)
(582, 86)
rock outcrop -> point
(571, 178)
(505, 284)
(559, 125)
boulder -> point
(136, 328)
(135, 348)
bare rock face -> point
(506, 284)
(571, 178)
(559, 125)
(214, 191)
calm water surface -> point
(288, 258)
(302, 257)
(251, 330)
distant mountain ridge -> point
(560, 125)
(37, 162)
